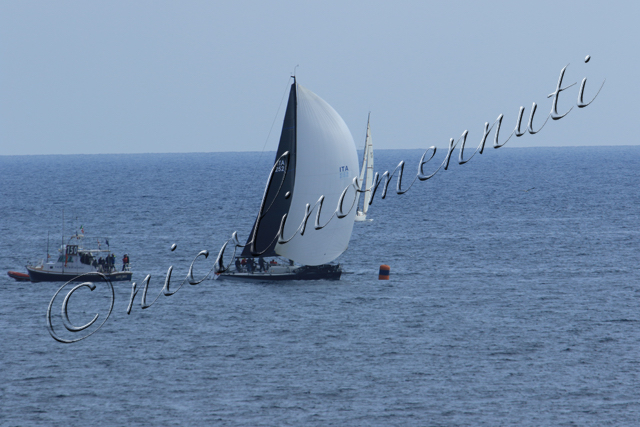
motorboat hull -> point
(53, 276)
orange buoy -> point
(384, 272)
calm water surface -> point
(514, 297)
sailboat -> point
(366, 175)
(316, 157)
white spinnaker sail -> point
(326, 163)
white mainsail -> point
(366, 174)
(326, 163)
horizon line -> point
(273, 151)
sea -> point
(513, 297)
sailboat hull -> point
(362, 217)
(305, 272)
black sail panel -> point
(277, 198)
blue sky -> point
(197, 76)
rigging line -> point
(276, 116)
